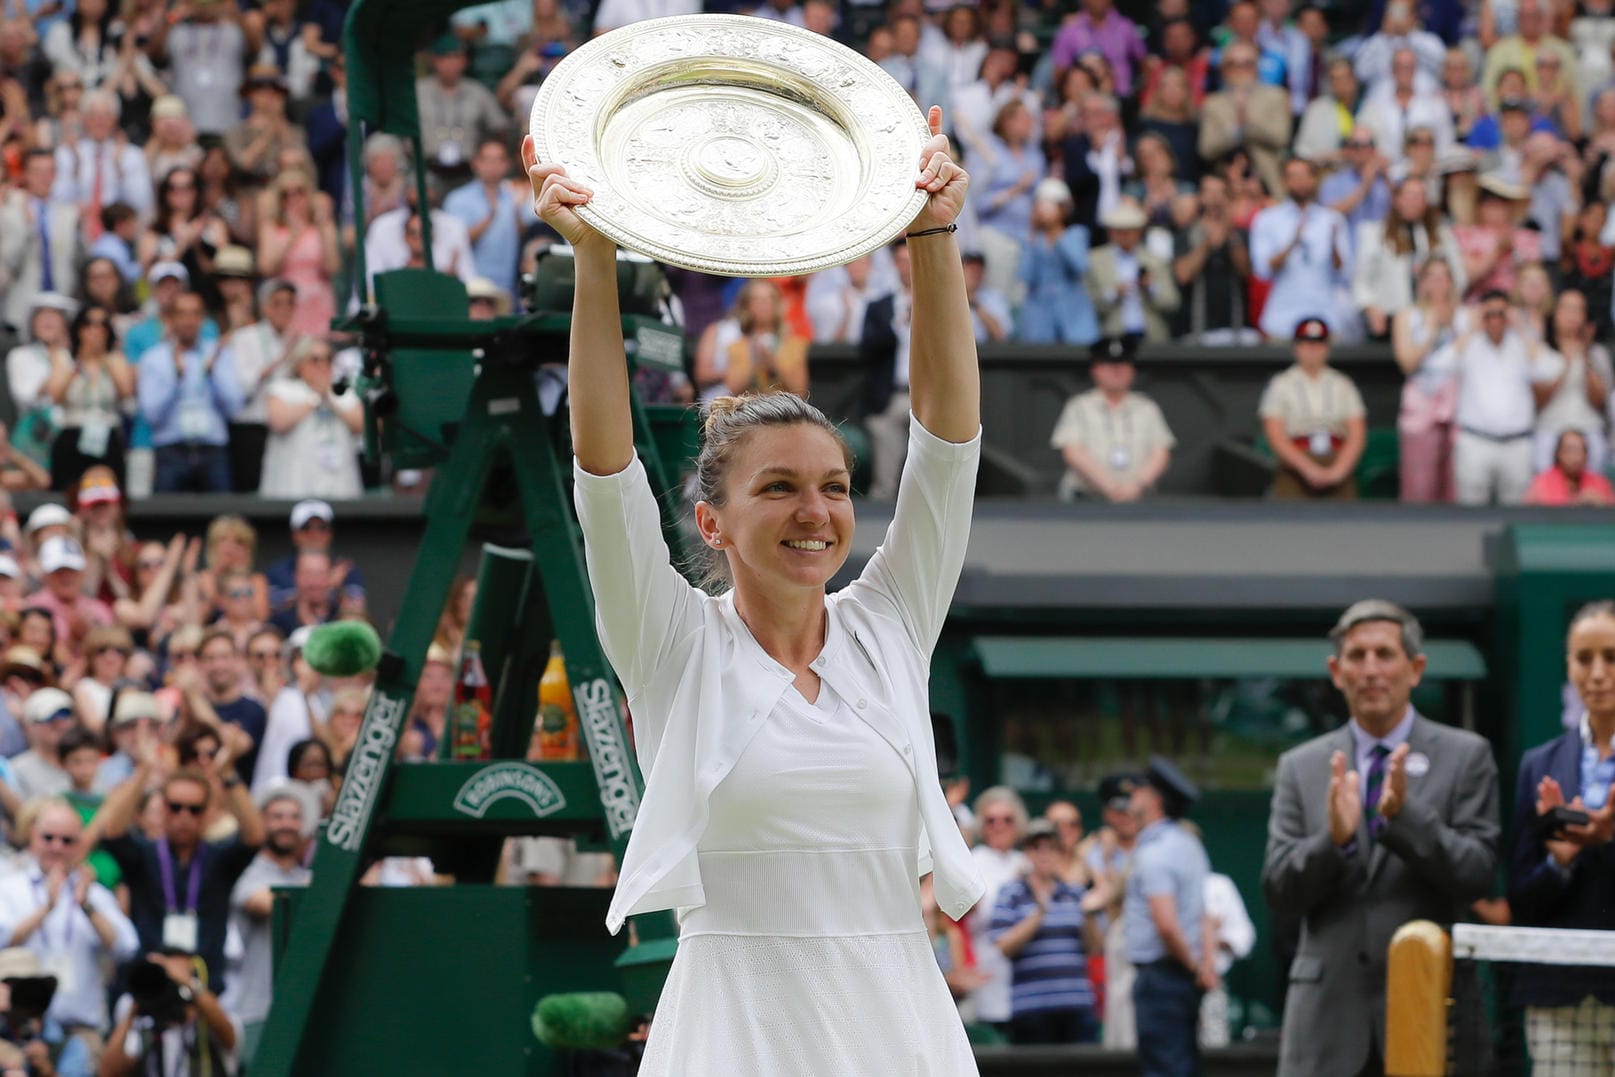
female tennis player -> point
(791, 800)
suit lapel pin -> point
(1418, 765)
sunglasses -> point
(194, 809)
(180, 656)
(150, 565)
(315, 524)
(263, 656)
(1355, 145)
(238, 592)
(114, 650)
(995, 820)
(58, 839)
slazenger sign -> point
(509, 781)
(351, 815)
(618, 796)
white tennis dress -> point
(810, 956)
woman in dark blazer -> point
(1565, 876)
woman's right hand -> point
(555, 195)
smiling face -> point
(1590, 657)
(786, 520)
(53, 841)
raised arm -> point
(944, 383)
(597, 366)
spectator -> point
(883, 350)
(989, 310)
(264, 662)
(179, 886)
(925, 82)
(230, 545)
(234, 603)
(1211, 264)
(1390, 253)
(106, 656)
(74, 613)
(134, 717)
(1038, 923)
(1173, 116)
(91, 388)
(313, 602)
(1314, 421)
(1099, 26)
(1495, 246)
(1502, 379)
(976, 107)
(1163, 923)
(206, 49)
(1520, 50)
(28, 366)
(299, 708)
(259, 353)
(1555, 197)
(255, 144)
(289, 820)
(105, 286)
(309, 764)
(1008, 166)
(494, 211)
(1304, 249)
(1133, 289)
(959, 50)
(312, 529)
(1405, 104)
(1419, 162)
(1376, 57)
(1587, 264)
(1096, 160)
(120, 234)
(1557, 98)
(1424, 422)
(429, 711)
(837, 312)
(187, 395)
(1465, 101)
(223, 678)
(102, 167)
(457, 114)
(62, 121)
(58, 911)
(38, 772)
(1158, 181)
(313, 431)
(1309, 40)
(1415, 798)
(394, 241)
(168, 281)
(1003, 821)
(173, 140)
(1054, 263)
(225, 196)
(1358, 190)
(181, 231)
(1242, 27)
(1569, 481)
(40, 245)
(297, 241)
(1514, 118)
(1115, 442)
(1246, 114)
(1181, 50)
(1579, 392)
(1329, 120)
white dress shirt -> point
(385, 247)
(122, 168)
(1494, 384)
(1390, 121)
(1307, 284)
(67, 943)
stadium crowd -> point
(178, 223)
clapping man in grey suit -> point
(1389, 819)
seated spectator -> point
(91, 387)
(106, 656)
(1330, 119)
(234, 605)
(1211, 264)
(226, 197)
(1533, 37)
(1511, 121)
(1391, 112)
(1246, 114)
(1304, 249)
(341, 731)
(1039, 924)
(429, 711)
(1358, 189)
(1132, 288)
(1495, 246)
(57, 909)
(313, 526)
(1314, 421)
(102, 167)
(1115, 442)
(1009, 165)
(836, 302)
(61, 562)
(1465, 101)
(313, 444)
(1570, 481)
(62, 122)
(1533, 298)
(48, 333)
(1579, 393)
(1424, 424)
(187, 395)
(297, 241)
(40, 244)
(173, 140)
(1419, 162)
(1054, 265)
(989, 310)
(1502, 377)
(1157, 179)
(1173, 116)
(257, 141)
(394, 241)
(314, 602)
(1389, 253)
(38, 772)
(1062, 118)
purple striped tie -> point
(1376, 782)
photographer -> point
(32, 1045)
(170, 1023)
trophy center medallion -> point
(730, 161)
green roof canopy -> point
(1188, 658)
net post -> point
(1418, 982)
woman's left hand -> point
(941, 177)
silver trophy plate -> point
(735, 145)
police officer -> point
(1115, 442)
(1163, 922)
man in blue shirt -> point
(1163, 926)
(187, 391)
(492, 211)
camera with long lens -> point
(159, 1003)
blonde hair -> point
(228, 526)
(107, 636)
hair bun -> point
(719, 407)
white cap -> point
(54, 301)
(49, 514)
(46, 704)
(163, 270)
(9, 567)
(298, 639)
(1052, 190)
(60, 552)
(312, 509)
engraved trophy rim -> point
(764, 94)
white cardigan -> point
(699, 684)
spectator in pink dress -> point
(1495, 246)
(297, 241)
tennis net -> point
(1531, 1002)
